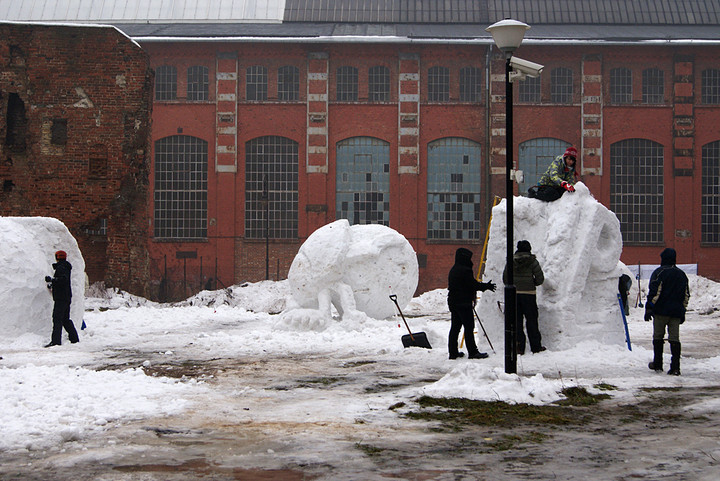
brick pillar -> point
(498, 152)
(226, 77)
(317, 113)
(409, 114)
(683, 155)
(592, 112)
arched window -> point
(363, 181)
(534, 157)
(529, 90)
(166, 82)
(288, 83)
(636, 189)
(710, 86)
(379, 84)
(256, 83)
(347, 84)
(453, 190)
(470, 84)
(197, 83)
(561, 85)
(181, 188)
(271, 188)
(438, 84)
(620, 86)
(653, 86)
(710, 217)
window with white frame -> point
(621, 86)
(166, 82)
(379, 84)
(653, 86)
(288, 83)
(363, 181)
(180, 194)
(710, 86)
(197, 83)
(256, 82)
(347, 84)
(271, 188)
(438, 82)
(470, 84)
(561, 85)
(637, 189)
(710, 205)
(529, 90)
(454, 204)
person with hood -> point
(560, 177)
(527, 275)
(59, 284)
(462, 292)
(668, 296)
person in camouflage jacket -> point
(527, 275)
(560, 177)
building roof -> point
(449, 21)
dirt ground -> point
(234, 433)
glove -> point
(48, 279)
(648, 315)
(490, 286)
(567, 186)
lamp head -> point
(508, 34)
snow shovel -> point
(412, 339)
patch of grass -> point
(603, 386)
(323, 381)
(453, 412)
(506, 442)
(579, 396)
(358, 363)
(397, 406)
(369, 450)
(655, 389)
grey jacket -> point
(527, 273)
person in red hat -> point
(59, 284)
(560, 177)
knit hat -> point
(60, 255)
(570, 151)
(524, 246)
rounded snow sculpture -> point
(28, 245)
(578, 244)
(354, 268)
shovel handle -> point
(393, 297)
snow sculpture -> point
(353, 268)
(28, 245)
(578, 244)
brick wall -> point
(75, 108)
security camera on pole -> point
(508, 35)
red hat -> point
(60, 255)
(572, 151)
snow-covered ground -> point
(76, 392)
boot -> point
(656, 364)
(675, 359)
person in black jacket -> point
(527, 275)
(668, 296)
(462, 291)
(59, 284)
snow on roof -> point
(143, 11)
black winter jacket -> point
(61, 289)
(668, 293)
(462, 285)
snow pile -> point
(28, 245)
(354, 269)
(578, 244)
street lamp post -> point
(508, 35)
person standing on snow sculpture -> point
(527, 275)
(668, 296)
(59, 283)
(560, 177)
(462, 291)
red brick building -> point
(74, 135)
(269, 126)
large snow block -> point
(354, 268)
(28, 245)
(578, 244)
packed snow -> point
(73, 392)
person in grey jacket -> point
(527, 275)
